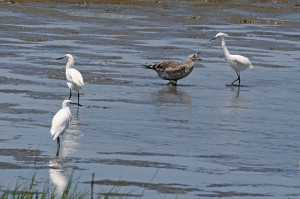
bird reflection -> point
(58, 175)
(235, 104)
(172, 94)
(235, 90)
(70, 142)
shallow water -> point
(200, 139)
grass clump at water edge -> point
(29, 191)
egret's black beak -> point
(73, 103)
(60, 58)
(213, 38)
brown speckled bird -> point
(172, 70)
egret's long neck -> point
(226, 52)
(64, 106)
(70, 63)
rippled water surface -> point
(200, 139)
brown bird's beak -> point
(198, 53)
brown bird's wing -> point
(169, 66)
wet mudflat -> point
(200, 139)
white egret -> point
(60, 122)
(172, 70)
(74, 77)
(237, 62)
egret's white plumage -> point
(174, 71)
(60, 122)
(73, 76)
(237, 62)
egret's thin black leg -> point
(70, 94)
(78, 99)
(238, 79)
(58, 147)
(234, 81)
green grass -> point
(29, 191)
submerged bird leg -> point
(70, 94)
(58, 146)
(173, 82)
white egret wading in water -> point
(60, 122)
(172, 70)
(237, 62)
(74, 77)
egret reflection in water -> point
(58, 175)
(235, 104)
